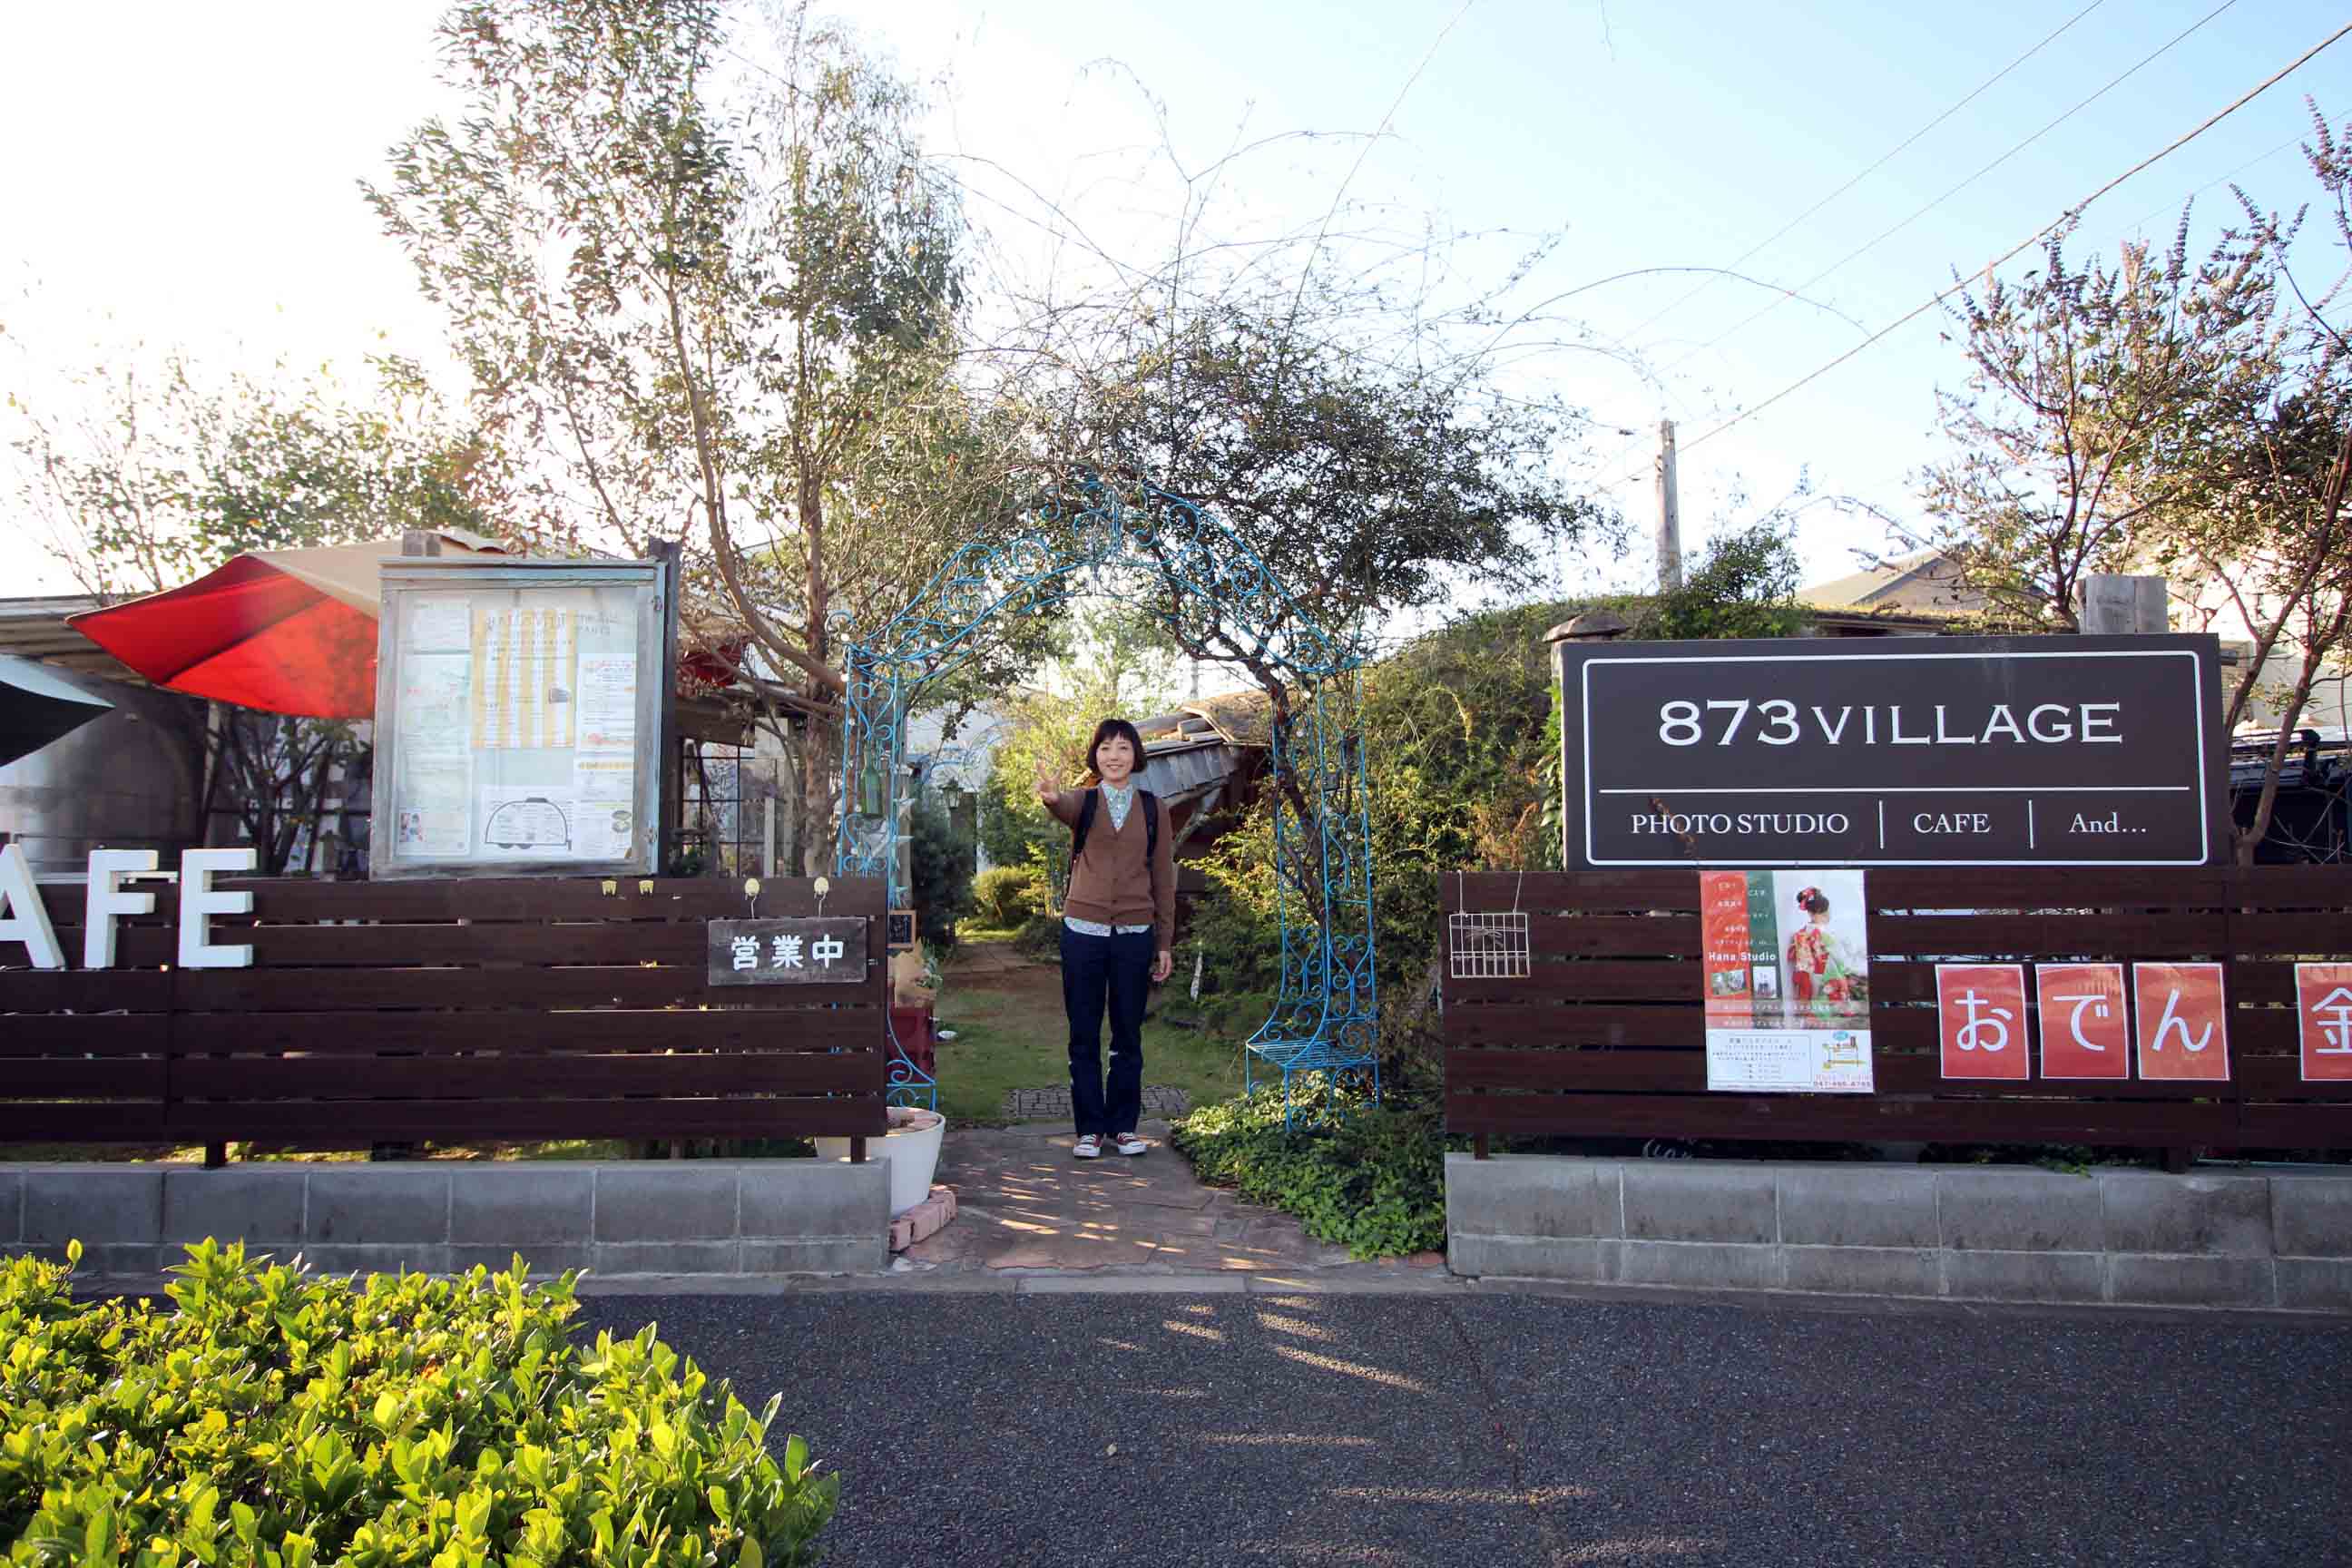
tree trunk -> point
(819, 765)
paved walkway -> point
(1025, 1209)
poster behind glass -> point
(517, 726)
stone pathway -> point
(1024, 1207)
(1053, 1104)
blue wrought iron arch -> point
(1326, 1015)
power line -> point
(1982, 88)
(2064, 218)
(1863, 249)
(2134, 227)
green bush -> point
(939, 860)
(1371, 1178)
(1005, 896)
(1040, 938)
(280, 1420)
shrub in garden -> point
(1040, 937)
(281, 1419)
(1368, 1177)
(939, 862)
(1005, 895)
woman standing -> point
(1120, 912)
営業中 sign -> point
(1894, 751)
(830, 949)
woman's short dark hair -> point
(1105, 730)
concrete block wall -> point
(614, 1219)
(2268, 1239)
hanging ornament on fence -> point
(1488, 946)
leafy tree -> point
(1744, 585)
(714, 306)
(2083, 386)
(2254, 519)
(1368, 487)
(2193, 419)
(162, 477)
(939, 876)
(1112, 663)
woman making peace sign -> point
(1120, 912)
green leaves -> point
(276, 1421)
(1369, 1178)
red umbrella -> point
(287, 631)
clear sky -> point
(187, 174)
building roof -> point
(1873, 584)
(1242, 717)
(35, 629)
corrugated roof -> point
(35, 629)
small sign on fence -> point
(826, 950)
(2323, 996)
(2184, 1021)
(2084, 1033)
(1980, 1018)
(1787, 967)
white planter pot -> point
(912, 1147)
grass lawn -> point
(1011, 1034)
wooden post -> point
(1478, 1148)
(215, 1156)
(2119, 604)
(858, 1151)
(673, 760)
(767, 841)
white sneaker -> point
(1131, 1143)
(1087, 1147)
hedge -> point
(281, 1419)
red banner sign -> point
(2322, 1005)
(2084, 1033)
(1981, 1014)
(2184, 1024)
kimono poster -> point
(1787, 966)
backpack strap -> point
(1086, 822)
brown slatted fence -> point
(521, 1008)
(1605, 1037)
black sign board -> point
(829, 950)
(2049, 750)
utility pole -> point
(1670, 513)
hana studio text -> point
(25, 919)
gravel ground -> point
(1504, 1430)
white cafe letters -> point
(23, 918)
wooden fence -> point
(522, 1009)
(1606, 1034)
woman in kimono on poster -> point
(1828, 983)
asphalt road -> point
(1504, 1430)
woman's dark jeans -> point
(1116, 968)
